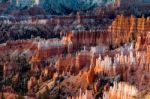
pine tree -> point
(2, 96)
(20, 97)
(40, 96)
(45, 95)
(4, 1)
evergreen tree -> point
(40, 96)
(45, 95)
(2, 96)
(4, 1)
(20, 97)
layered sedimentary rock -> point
(74, 63)
(63, 66)
(66, 65)
(123, 29)
(128, 63)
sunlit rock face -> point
(65, 64)
(121, 90)
(74, 64)
(122, 30)
(143, 44)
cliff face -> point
(123, 29)
(118, 53)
